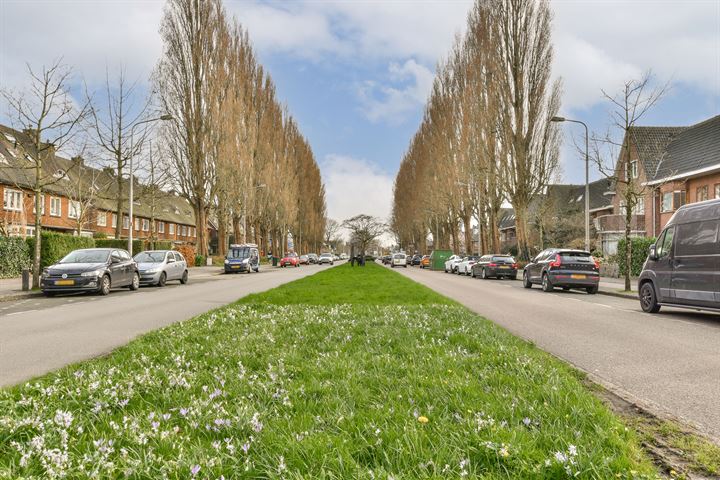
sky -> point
(356, 74)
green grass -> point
(373, 376)
(368, 285)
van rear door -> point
(695, 264)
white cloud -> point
(392, 104)
(354, 186)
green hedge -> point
(14, 256)
(160, 245)
(54, 246)
(639, 248)
(138, 245)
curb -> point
(632, 296)
(19, 296)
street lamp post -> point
(131, 192)
(257, 187)
(587, 178)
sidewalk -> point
(11, 289)
(616, 287)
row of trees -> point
(486, 136)
(236, 150)
(227, 146)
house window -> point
(126, 222)
(114, 220)
(102, 219)
(13, 200)
(172, 228)
(55, 206)
(667, 199)
(701, 194)
(634, 168)
(73, 209)
(678, 199)
(145, 224)
(137, 224)
(161, 227)
(3, 159)
(42, 205)
(183, 231)
(717, 190)
(639, 207)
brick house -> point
(81, 199)
(672, 166)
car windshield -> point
(86, 256)
(581, 257)
(239, 253)
(473, 259)
(326, 255)
(399, 256)
(150, 257)
(503, 259)
(291, 254)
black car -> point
(495, 266)
(91, 270)
(415, 260)
(565, 268)
(386, 259)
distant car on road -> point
(312, 258)
(304, 260)
(425, 261)
(344, 256)
(91, 270)
(399, 260)
(565, 268)
(242, 258)
(414, 260)
(157, 267)
(451, 263)
(464, 267)
(326, 258)
(495, 266)
(290, 259)
(386, 259)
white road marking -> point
(24, 311)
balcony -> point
(616, 223)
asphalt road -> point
(668, 362)
(42, 334)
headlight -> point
(45, 273)
(152, 270)
(246, 260)
(94, 273)
(227, 261)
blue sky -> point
(356, 73)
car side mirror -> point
(114, 260)
(652, 255)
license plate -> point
(64, 282)
(504, 266)
(235, 266)
(578, 277)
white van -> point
(399, 260)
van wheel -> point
(547, 286)
(648, 299)
(526, 280)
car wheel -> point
(184, 278)
(547, 285)
(135, 282)
(526, 280)
(592, 290)
(648, 299)
(566, 288)
(483, 274)
(163, 279)
(472, 273)
(104, 288)
(257, 269)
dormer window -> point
(9, 137)
(579, 198)
(60, 173)
(3, 159)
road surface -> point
(43, 334)
(668, 362)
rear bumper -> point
(502, 272)
(567, 280)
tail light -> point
(557, 262)
(492, 264)
(597, 264)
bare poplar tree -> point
(364, 229)
(51, 120)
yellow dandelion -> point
(423, 419)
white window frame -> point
(3, 159)
(136, 221)
(126, 222)
(114, 220)
(56, 201)
(15, 202)
(102, 219)
(634, 171)
(639, 207)
(171, 228)
(145, 225)
(662, 202)
(161, 227)
(74, 209)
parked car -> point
(414, 260)
(451, 263)
(304, 260)
(242, 258)
(91, 270)
(156, 267)
(290, 259)
(565, 268)
(464, 267)
(312, 258)
(399, 260)
(344, 256)
(425, 261)
(495, 266)
(386, 259)
(336, 258)
(683, 266)
(326, 258)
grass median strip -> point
(350, 373)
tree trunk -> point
(201, 228)
(468, 234)
(628, 244)
(521, 231)
(38, 237)
(119, 211)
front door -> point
(695, 263)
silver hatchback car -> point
(157, 267)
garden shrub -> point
(639, 251)
(138, 245)
(54, 246)
(14, 256)
(188, 251)
(199, 260)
